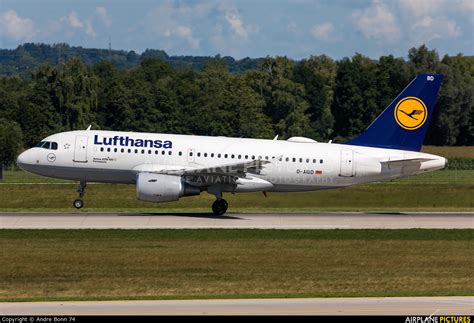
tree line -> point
(27, 57)
(317, 97)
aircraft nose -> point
(23, 159)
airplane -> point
(166, 167)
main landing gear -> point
(219, 207)
(78, 203)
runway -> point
(318, 220)
(303, 306)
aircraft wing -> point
(253, 166)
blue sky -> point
(297, 28)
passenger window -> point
(115, 150)
(240, 156)
(232, 156)
(136, 151)
(287, 159)
(212, 155)
(143, 151)
(191, 153)
(198, 154)
(122, 150)
(225, 155)
(320, 161)
(129, 150)
(163, 152)
(218, 155)
(108, 149)
(101, 148)
(149, 152)
(301, 160)
(170, 152)
(314, 161)
(294, 160)
(156, 152)
(180, 153)
(246, 156)
(307, 160)
(205, 154)
(253, 157)
(266, 157)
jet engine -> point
(163, 188)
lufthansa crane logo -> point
(410, 113)
(51, 157)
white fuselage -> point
(297, 164)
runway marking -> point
(453, 305)
(321, 220)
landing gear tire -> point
(78, 204)
(219, 207)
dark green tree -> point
(423, 60)
(284, 98)
(455, 105)
(212, 115)
(392, 76)
(318, 74)
(355, 103)
(11, 141)
(73, 90)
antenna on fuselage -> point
(276, 137)
(89, 128)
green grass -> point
(23, 177)
(437, 191)
(163, 264)
(450, 151)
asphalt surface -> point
(320, 220)
(303, 306)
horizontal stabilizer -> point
(406, 161)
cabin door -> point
(347, 163)
(80, 149)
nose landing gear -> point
(78, 203)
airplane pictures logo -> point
(410, 113)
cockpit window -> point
(47, 145)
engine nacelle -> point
(163, 188)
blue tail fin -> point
(403, 124)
